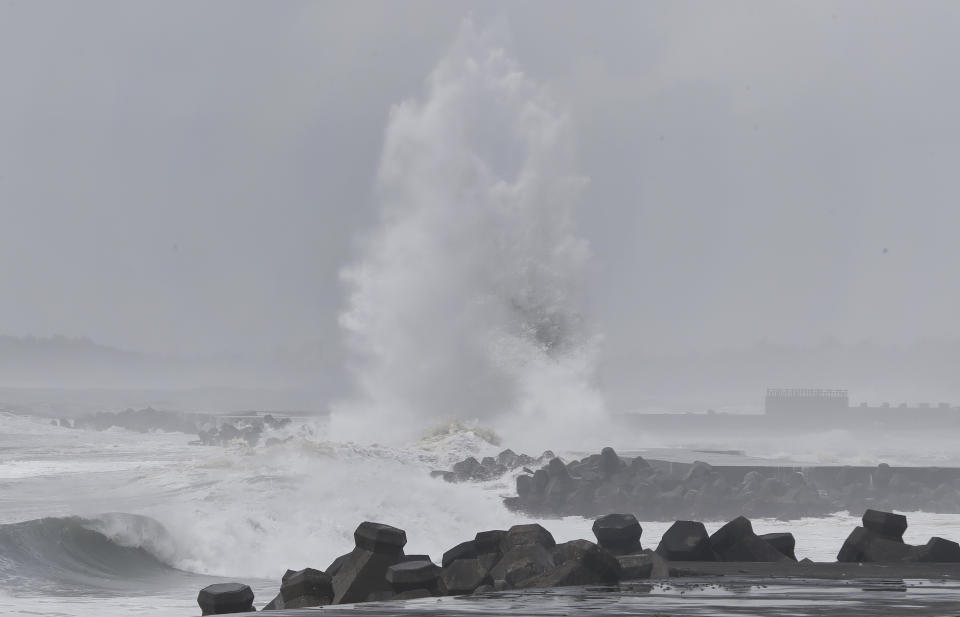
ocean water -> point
(106, 523)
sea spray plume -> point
(465, 301)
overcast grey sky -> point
(190, 177)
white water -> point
(464, 303)
(250, 514)
(465, 300)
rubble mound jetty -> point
(528, 557)
(664, 490)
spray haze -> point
(465, 301)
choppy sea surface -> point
(114, 522)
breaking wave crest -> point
(106, 552)
(466, 299)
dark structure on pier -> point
(799, 402)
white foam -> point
(465, 301)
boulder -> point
(698, 473)
(274, 605)
(557, 470)
(334, 566)
(464, 550)
(938, 550)
(647, 564)
(731, 533)
(579, 562)
(410, 575)
(363, 571)
(540, 481)
(308, 587)
(528, 535)
(753, 549)
(524, 485)
(407, 558)
(686, 541)
(865, 546)
(610, 463)
(466, 468)
(508, 458)
(783, 542)
(465, 576)
(885, 524)
(490, 542)
(736, 541)
(521, 563)
(379, 538)
(223, 598)
(618, 533)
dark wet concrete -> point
(742, 589)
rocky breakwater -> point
(250, 430)
(210, 430)
(606, 482)
(522, 557)
(489, 467)
(663, 490)
(880, 540)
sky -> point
(191, 178)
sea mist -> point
(465, 302)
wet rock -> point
(223, 598)
(783, 542)
(411, 575)
(407, 558)
(274, 605)
(465, 469)
(308, 587)
(578, 562)
(647, 564)
(490, 542)
(866, 546)
(335, 566)
(885, 524)
(540, 481)
(363, 571)
(686, 541)
(379, 538)
(699, 472)
(528, 535)
(610, 463)
(736, 541)
(618, 533)
(731, 533)
(521, 563)
(464, 576)
(464, 550)
(938, 550)
(527, 552)
(524, 486)
(508, 458)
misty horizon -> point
(756, 194)
(440, 292)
